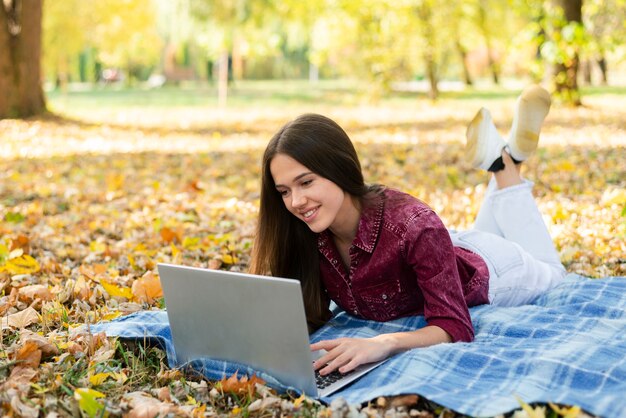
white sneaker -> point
(484, 143)
(531, 109)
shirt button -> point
(356, 312)
(384, 296)
(334, 261)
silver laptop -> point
(254, 320)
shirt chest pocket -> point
(383, 301)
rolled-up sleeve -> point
(429, 251)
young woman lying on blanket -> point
(381, 254)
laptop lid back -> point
(255, 320)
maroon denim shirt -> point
(402, 263)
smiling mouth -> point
(309, 213)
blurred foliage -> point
(381, 42)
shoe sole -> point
(475, 149)
(538, 100)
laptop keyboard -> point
(327, 380)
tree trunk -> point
(222, 79)
(20, 58)
(603, 69)
(566, 73)
(467, 78)
(424, 12)
(586, 68)
(484, 28)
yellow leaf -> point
(191, 243)
(131, 261)
(97, 247)
(112, 315)
(571, 412)
(88, 403)
(229, 259)
(115, 290)
(175, 251)
(539, 412)
(24, 264)
(99, 378)
(299, 401)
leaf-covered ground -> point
(90, 202)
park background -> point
(131, 133)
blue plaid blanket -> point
(568, 347)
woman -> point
(381, 254)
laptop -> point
(254, 320)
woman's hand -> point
(345, 354)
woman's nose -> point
(297, 199)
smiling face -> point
(315, 200)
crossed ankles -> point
(484, 143)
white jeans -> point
(510, 235)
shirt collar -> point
(368, 230)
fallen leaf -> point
(404, 400)
(47, 348)
(23, 410)
(20, 376)
(35, 291)
(117, 291)
(143, 405)
(88, 402)
(21, 319)
(240, 386)
(81, 289)
(169, 235)
(147, 288)
(21, 241)
(24, 264)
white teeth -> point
(309, 213)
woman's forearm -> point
(424, 337)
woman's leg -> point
(510, 211)
(509, 231)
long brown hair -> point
(284, 245)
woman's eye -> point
(283, 193)
(307, 182)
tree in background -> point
(65, 24)
(566, 36)
(20, 50)
(604, 21)
(124, 34)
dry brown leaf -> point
(404, 400)
(7, 302)
(240, 386)
(21, 319)
(20, 376)
(23, 410)
(35, 291)
(22, 242)
(28, 354)
(143, 405)
(147, 288)
(164, 394)
(169, 235)
(81, 289)
(215, 263)
(46, 347)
